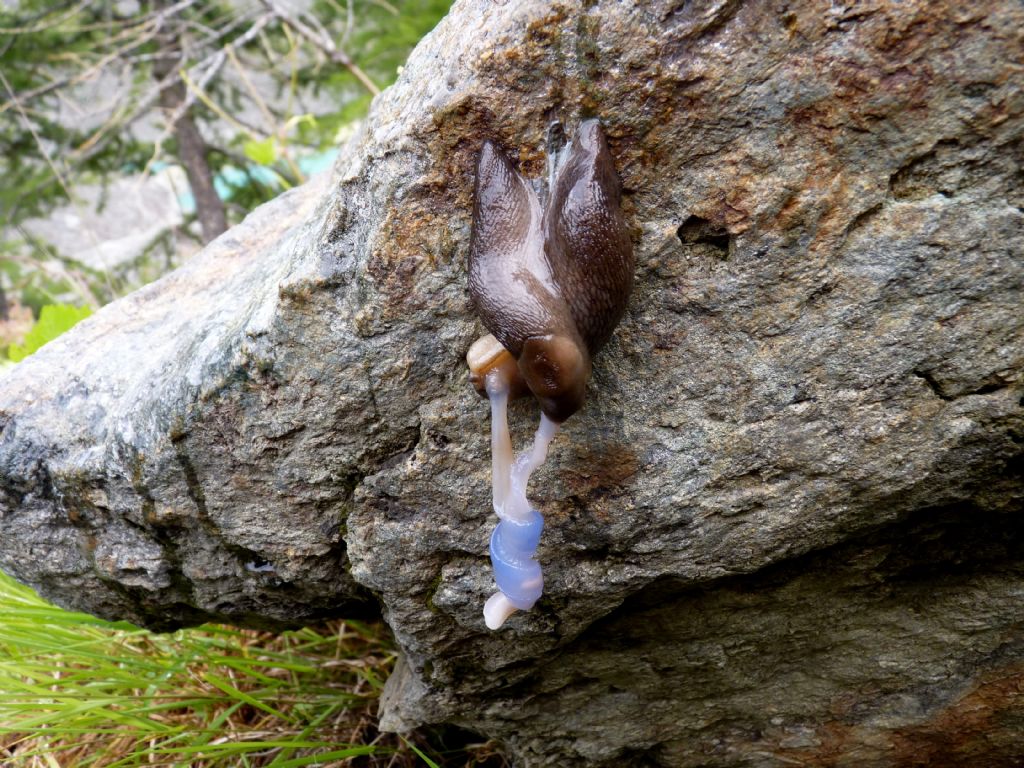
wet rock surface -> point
(785, 529)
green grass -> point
(79, 691)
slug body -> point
(550, 282)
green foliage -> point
(49, 51)
(261, 152)
(43, 44)
(54, 320)
(382, 37)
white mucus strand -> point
(514, 541)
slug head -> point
(556, 369)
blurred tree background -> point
(133, 132)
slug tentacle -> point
(550, 284)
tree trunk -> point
(192, 149)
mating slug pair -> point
(550, 281)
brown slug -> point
(550, 282)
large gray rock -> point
(785, 529)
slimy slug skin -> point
(550, 282)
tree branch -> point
(323, 43)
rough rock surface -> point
(785, 529)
